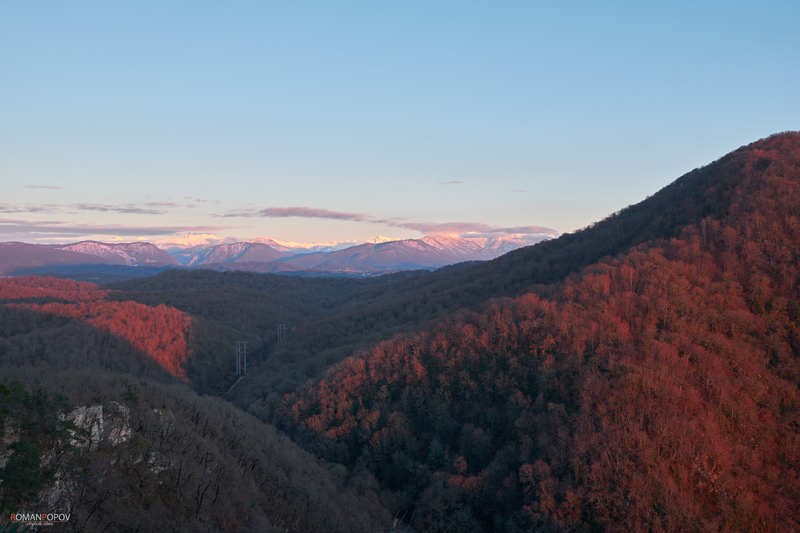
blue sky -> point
(150, 120)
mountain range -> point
(641, 374)
(268, 255)
(19, 255)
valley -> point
(642, 373)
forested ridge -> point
(159, 332)
(654, 390)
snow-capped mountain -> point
(19, 255)
(484, 247)
(409, 254)
(293, 248)
(219, 254)
(15, 256)
(267, 255)
(256, 251)
(129, 253)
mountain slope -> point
(120, 453)
(104, 432)
(658, 390)
(38, 313)
(19, 255)
(227, 253)
(395, 255)
(410, 254)
(267, 256)
(131, 253)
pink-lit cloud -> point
(15, 227)
(121, 209)
(461, 228)
(147, 208)
(299, 212)
(164, 204)
(13, 208)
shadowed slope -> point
(161, 458)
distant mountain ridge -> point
(19, 255)
(266, 255)
(370, 258)
(130, 253)
(226, 253)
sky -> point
(191, 122)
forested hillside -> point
(120, 453)
(328, 319)
(654, 390)
(97, 422)
(31, 307)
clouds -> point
(307, 212)
(146, 208)
(299, 212)
(461, 228)
(166, 204)
(452, 182)
(14, 209)
(121, 209)
(48, 222)
(16, 228)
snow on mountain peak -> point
(130, 253)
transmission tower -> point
(280, 333)
(240, 355)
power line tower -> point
(280, 330)
(280, 333)
(240, 355)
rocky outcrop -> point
(94, 426)
(10, 436)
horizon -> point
(187, 243)
(331, 125)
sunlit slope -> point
(656, 389)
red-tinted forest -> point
(36, 287)
(161, 332)
(655, 390)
